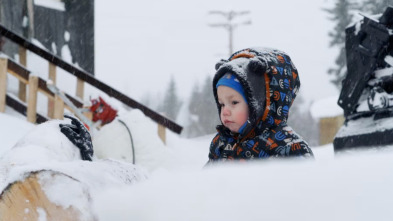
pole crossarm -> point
(229, 25)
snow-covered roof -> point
(326, 107)
(53, 4)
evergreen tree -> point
(203, 110)
(194, 129)
(171, 103)
(376, 6)
(209, 114)
(341, 15)
(301, 121)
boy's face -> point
(234, 109)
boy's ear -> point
(257, 65)
(221, 62)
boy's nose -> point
(225, 111)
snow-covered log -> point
(28, 200)
(43, 178)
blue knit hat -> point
(231, 81)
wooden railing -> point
(55, 105)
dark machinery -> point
(367, 90)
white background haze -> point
(141, 44)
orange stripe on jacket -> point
(245, 54)
(267, 107)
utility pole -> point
(229, 25)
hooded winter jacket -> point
(270, 82)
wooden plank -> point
(23, 75)
(89, 78)
(32, 102)
(45, 90)
(18, 71)
(23, 61)
(22, 91)
(3, 83)
(58, 108)
(21, 108)
(21, 79)
(80, 88)
(26, 200)
(51, 101)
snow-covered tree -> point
(376, 6)
(341, 15)
(301, 121)
(209, 114)
(203, 110)
(171, 103)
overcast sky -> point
(140, 44)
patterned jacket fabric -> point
(270, 82)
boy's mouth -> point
(227, 122)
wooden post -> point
(22, 61)
(32, 102)
(52, 77)
(328, 127)
(162, 133)
(3, 83)
(30, 13)
(80, 86)
(59, 108)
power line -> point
(229, 25)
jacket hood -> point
(270, 81)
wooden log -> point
(32, 102)
(80, 88)
(23, 62)
(3, 83)
(27, 200)
(51, 101)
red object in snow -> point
(102, 111)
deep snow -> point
(169, 181)
(175, 186)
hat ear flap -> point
(257, 65)
(220, 63)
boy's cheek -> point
(242, 116)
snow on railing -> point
(82, 76)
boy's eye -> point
(235, 102)
(221, 105)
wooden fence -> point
(55, 104)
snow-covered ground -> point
(178, 187)
(170, 182)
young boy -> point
(254, 90)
